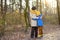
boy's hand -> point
(33, 19)
(41, 17)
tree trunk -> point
(13, 1)
(20, 9)
(3, 13)
(26, 14)
(40, 6)
(1, 7)
(37, 4)
(58, 10)
(2, 28)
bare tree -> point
(20, 9)
(3, 13)
(1, 31)
(13, 1)
(58, 10)
(40, 6)
(12, 5)
(37, 4)
(26, 14)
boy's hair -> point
(33, 8)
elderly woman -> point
(34, 28)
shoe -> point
(32, 37)
(40, 36)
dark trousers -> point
(34, 32)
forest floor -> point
(51, 32)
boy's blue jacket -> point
(39, 20)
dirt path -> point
(51, 32)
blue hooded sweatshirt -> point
(39, 20)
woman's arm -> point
(35, 18)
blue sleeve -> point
(35, 18)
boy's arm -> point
(38, 17)
(41, 16)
